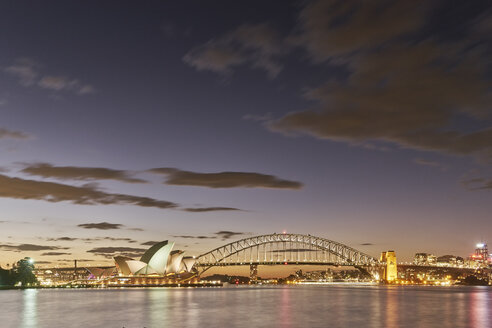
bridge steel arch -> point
(282, 249)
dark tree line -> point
(21, 272)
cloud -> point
(150, 243)
(60, 83)
(333, 28)
(55, 254)
(62, 239)
(477, 180)
(110, 252)
(30, 247)
(424, 162)
(210, 209)
(95, 238)
(5, 133)
(228, 234)
(402, 89)
(194, 237)
(79, 173)
(367, 244)
(101, 226)
(225, 179)
(27, 71)
(256, 45)
(85, 195)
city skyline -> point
(125, 124)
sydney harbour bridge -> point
(284, 249)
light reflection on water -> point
(282, 307)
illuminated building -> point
(481, 257)
(390, 270)
(159, 260)
(424, 259)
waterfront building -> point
(481, 257)
(425, 259)
(159, 260)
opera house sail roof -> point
(160, 259)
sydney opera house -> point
(160, 264)
(159, 260)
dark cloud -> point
(46, 170)
(84, 195)
(255, 45)
(30, 247)
(225, 179)
(150, 243)
(95, 238)
(55, 253)
(399, 91)
(110, 252)
(194, 237)
(228, 234)
(367, 244)
(62, 239)
(101, 226)
(210, 209)
(5, 133)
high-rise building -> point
(481, 255)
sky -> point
(123, 123)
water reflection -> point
(30, 309)
(285, 308)
(391, 308)
(281, 307)
(480, 308)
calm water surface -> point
(298, 306)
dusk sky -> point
(203, 122)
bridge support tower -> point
(253, 272)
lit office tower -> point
(390, 271)
(481, 254)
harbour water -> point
(262, 306)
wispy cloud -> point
(228, 234)
(47, 170)
(225, 179)
(18, 188)
(30, 247)
(210, 209)
(109, 252)
(101, 226)
(11, 134)
(255, 45)
(25, 70)
(28, 73)
(425, 162)
(194, 237)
